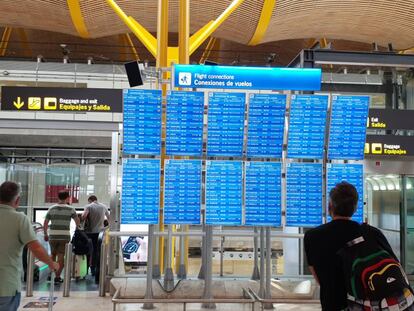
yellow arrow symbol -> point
(19, 104)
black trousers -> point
(93, 259)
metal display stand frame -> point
(264, 234)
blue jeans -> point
(10, 303)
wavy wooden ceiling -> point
(381, 21)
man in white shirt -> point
(95, 214)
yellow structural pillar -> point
(162, 59)
(184, 58)
(264, 20)
(5, 40)
(184, 32)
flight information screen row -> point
(236, 193)
(234, 123)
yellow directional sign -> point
(18, 104)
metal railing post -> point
(203, 249)
(208, 269)
(182, 272)
(268, 293)
(67, 268)
(29, 273)
(103, 268)
(256, 273)
(262, 264)
(169, 275)
(150, 264)
(222, 256)
(156, 272)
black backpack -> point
(375, 279)
(81, 244)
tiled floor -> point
(86, 301)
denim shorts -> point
(10, 303)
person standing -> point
(60, 216)
(94, 214)
(323, 244)
(16, 232)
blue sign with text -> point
(263, 194)
(140, 191)
(248, 78)
(304, 194)
(352, 173)
(266, 125)
(185, 123)
(142, 122)
(348, 127)
(182, 194)
(225, 124)
(224, 193)
(307, 126)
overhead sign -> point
(391, 119)
(60, 99)
(389, 145)
(250, 78)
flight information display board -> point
(182, 192)
(304, 194)
(266, 125)
(225, 124)
(142, 122)
(140, 191)
(352, 173)
(185, 123)
(348, 127)
(263, 194)
(307, 126)
(224, 192)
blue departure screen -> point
(142, 122)
(266, 125)
(263, 194)
(182, 194)
(224, 191)
(348, 127)
(225, 124)
(307, 126)
(304, 194)
(140, 191)
(352, 173)
(185, 123)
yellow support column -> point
(122, 48)
(200, 36)
(162, 58)
(264, 20)
(24, 42)
(5, 40)
(147, 39)
(183, 58)
(210, 46)
(131, 45)
(184, 32)
(77, 18)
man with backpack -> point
(354, 264)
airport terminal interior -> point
(213, 132)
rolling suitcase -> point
(80, 267)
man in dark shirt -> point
(322, 244)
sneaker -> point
(58, 280)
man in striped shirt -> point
(60, 216)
